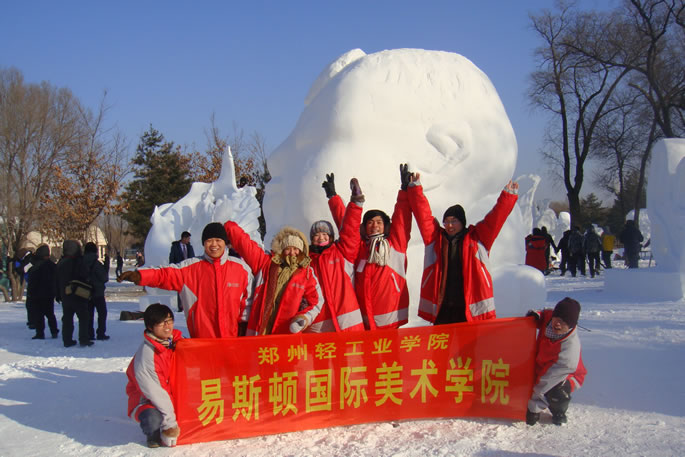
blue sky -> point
(172, 64)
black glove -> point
(329, 186)
(534, 314)
(405, 175)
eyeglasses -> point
(168, 321)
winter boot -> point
(55, 333)
(39, 336)
(559, 418)
(70, 343)
(532, 418)
(154, 440)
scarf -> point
(379, 250)
(167, 343)
(279, 276)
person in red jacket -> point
(333, 263)
(150, 399)
(287, 297)
(380, 278)
(456, 285)
(215, 289)
(559, 368)
(536, 244)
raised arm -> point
(253, 255)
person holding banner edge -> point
(150, 400)
(559, 368)
(456, 285)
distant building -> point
(34, 239)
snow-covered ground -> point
(56, 401)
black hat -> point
(455, 211)
(43, 251)
(568, 311)
(370, 214)
(214, 230)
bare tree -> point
(39, 125)
(87, 181)
(647, 39)
(574, 89)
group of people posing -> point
(320, 284)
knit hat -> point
(370, 214)
(568, 311)
(321, 226)
(214, 230)
(292, 241)
(43, 251)
(455, 211)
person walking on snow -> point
(456, 285)
(333, 263)
(215, 289)
(97, 277)
(287, 297)
(380, 279)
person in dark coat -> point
(181, 249)
(563, 247)
(71, 267)
(40, 293)
(592, 245)
(576, 251)
(549, 239)
(97, 277)
(631, 237)
(120, 265)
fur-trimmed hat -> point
(289, 236)
(321, 226)
(370, 214)
(214, 230)
(455, 211)
(568, 311)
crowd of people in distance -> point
(580, 249)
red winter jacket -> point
(536, 245)
(478, 291)
(148, 380)
(557, 360)
(382, 290)
(302, 294)
(215, 292)
(334, 267)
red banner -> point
(239, 387)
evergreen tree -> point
(592, 211)
(162, 175)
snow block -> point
(644, 284)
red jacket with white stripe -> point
(148, 380)
(478, 290)
(334, 267)
(382, 290)
(215, 292)
(557, 360)
(302, 294)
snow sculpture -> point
(366, 114)
(204, 203)
(666, 228)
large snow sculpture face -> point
(666, 204)
(366, 114)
